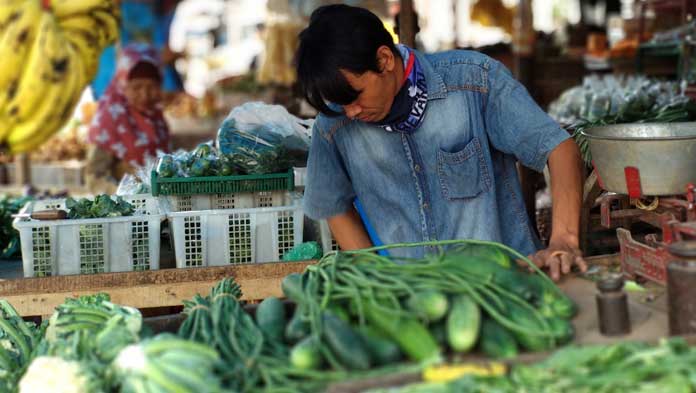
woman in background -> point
(128, 126)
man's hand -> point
(563, 252)
(559, 258)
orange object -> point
(597, 44)
(624, 48)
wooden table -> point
(148, 289)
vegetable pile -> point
(99, 207)
(617, 100)
(356, 315)
(618, 368)
(92, 345)
(361, 310)
(206, 160)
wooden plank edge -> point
(102, 281)
(147, 296)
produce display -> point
(206, 160)
(254, 356)
(92, 345)
(69, 353)
(352, 316)
(424, 308)
(100, 206)
(50, 52)
(68, 144)
(612, 100)
(617, 368)
(358, 313)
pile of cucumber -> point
(356, 314)
(358, 310)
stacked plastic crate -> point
(88, 246)
(224, 220)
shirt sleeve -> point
(328, 191)
(514, 122)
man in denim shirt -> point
(427, 143)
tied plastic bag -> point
(304, 252)
(255, 128)
(138, 182)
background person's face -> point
(143, 94)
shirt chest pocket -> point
(463, 174)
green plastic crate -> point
(221, 184)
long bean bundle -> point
(374, 288)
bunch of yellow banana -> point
(49, 52)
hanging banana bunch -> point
(49, 52)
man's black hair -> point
(339, 37)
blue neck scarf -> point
(408, 109)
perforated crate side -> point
(238, 236)
(89, 246)
(241, 200)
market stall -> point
(202, 272)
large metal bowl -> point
(663, 153)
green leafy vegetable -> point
(100, 207)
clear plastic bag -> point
(255, 127)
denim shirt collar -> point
(436, 86)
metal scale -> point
(649, 173)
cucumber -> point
(339, 311)
(413, 338)
(563, 330)
(515, 281)
(549, 299)
(522, 318)
(383, 350)
(292, 287)
(463, 323)
(431, 305)
(496, 341)
(306, 354)
(270, 317)
(298, 327)
(564, 307)
(345, 343)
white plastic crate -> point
(242, 200)
(88, 246)
(235, 236)
(67, 174)
(327, 241)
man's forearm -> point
(348, 231)
(565, 166)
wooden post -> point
(523, 50)
(22, 170)
(407, 24)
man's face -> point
(377, 90)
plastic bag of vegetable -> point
(255, 127)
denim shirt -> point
(455, 176)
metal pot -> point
(664, 155)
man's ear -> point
(385, 59)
